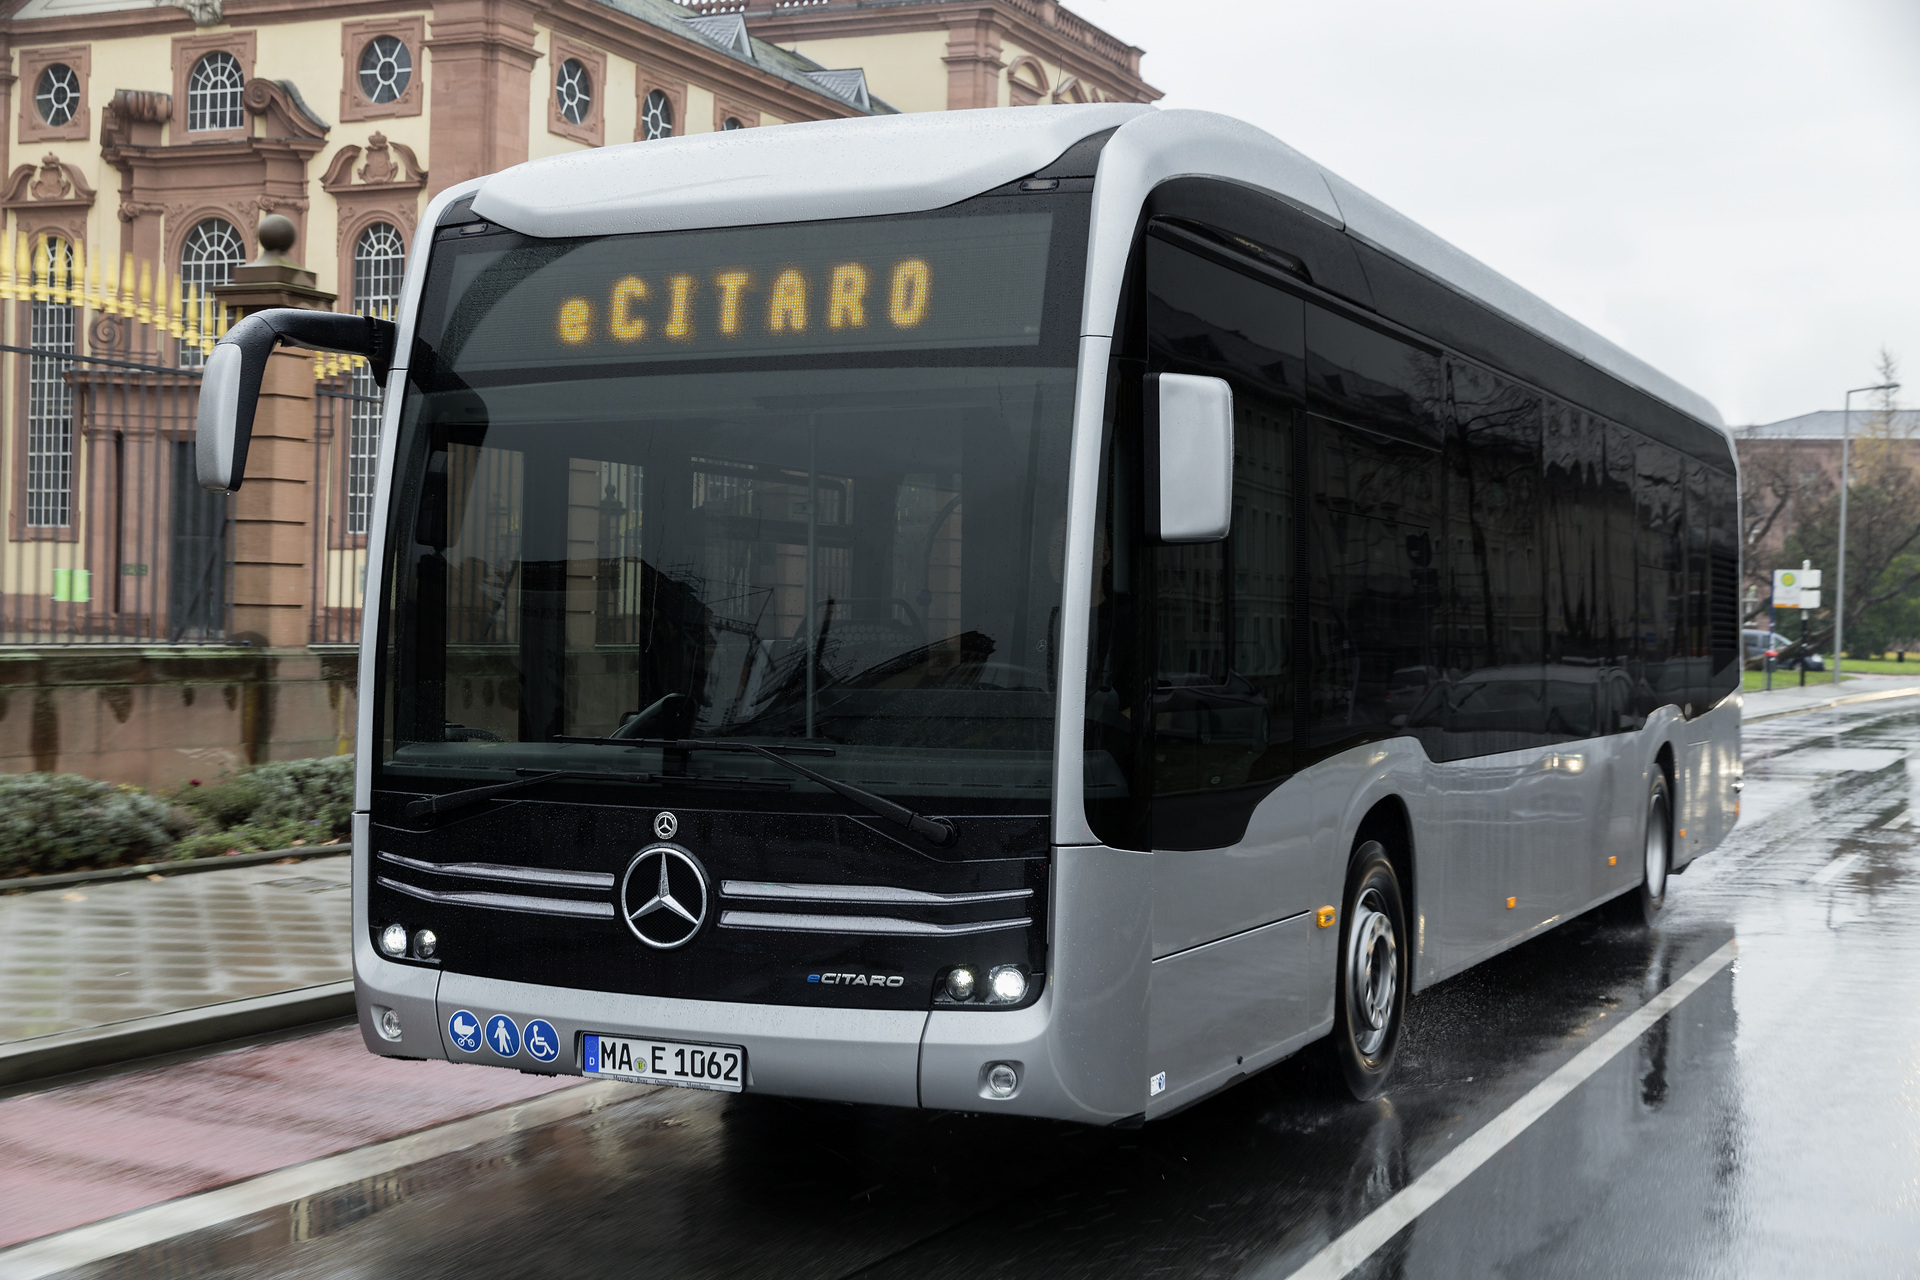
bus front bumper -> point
(906, 1058)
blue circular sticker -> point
(503, 1035)
(542, 1041)
(464, 1030)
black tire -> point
(1641, 906)
(1370, 1000)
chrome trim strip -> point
(498, 871)
(506, 901)
(872, 926)
(768, 890)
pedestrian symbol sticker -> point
(542, 1043)
(464, 1029)
(503, 1035)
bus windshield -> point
(801, 485)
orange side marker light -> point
(1323, 917)
(1613, 862)
(1512, 903)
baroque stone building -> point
(149, 631)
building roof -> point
(724, 32)
(1828, 424)
(728, 33)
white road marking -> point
(1835, 869)
(1900, 819)
(98, 1241)
(1361, 1240)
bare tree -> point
(1883, 516)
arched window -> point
(379, 262)
(56, 94)
(732, 122)
(213, 94)
(573, 90)
(656, 118)
(386, 69)
(212, 250)
(49, 398)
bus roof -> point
(915, 162)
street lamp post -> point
(1840, 591)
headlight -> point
(393, 939)
(961, 983)
(1007, 985)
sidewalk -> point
(1788, 697)
(76, 959)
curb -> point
(140, 871)
(1878, 696)
(118, 1042)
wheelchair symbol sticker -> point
(542, 1042)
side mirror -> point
(230, 387)
(1189, 451)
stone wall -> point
(158, 716)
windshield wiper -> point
(474, 795)
(936, 831)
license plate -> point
(693, 1066)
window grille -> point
(212, 250)
(656, 118)
(56, 94)
(379, 262)
(573, 90)
(386, 68)
(213, 94)
(50, 399)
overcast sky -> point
(1729, 189)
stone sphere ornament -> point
(277, 233)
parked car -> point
(1786, 652)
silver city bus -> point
(1046, 611)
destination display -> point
(916, 283)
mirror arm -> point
(230, 386)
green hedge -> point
(60, 822)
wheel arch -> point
(1390, 822)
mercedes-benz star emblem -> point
(664, 896)
(665, 825)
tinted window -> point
(1658, 505)
(1723, 558)
(1222, 620)
(1626, 630)
(1493, 577)
(1364, 376)
(1206, 318)
(1574, 448)
(1372, 533)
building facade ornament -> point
(51, 183)
(205, 13)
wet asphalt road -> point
(1769, 1126)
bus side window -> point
(1223, 631)
(1661, 567)
(1372, 526)
(1496, 604)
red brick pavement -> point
(78, 1154)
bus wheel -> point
(1373, 973)
(1641, 906)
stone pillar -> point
(973, 65)
(483, 60)
(273, 514)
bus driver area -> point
(1106, 604)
